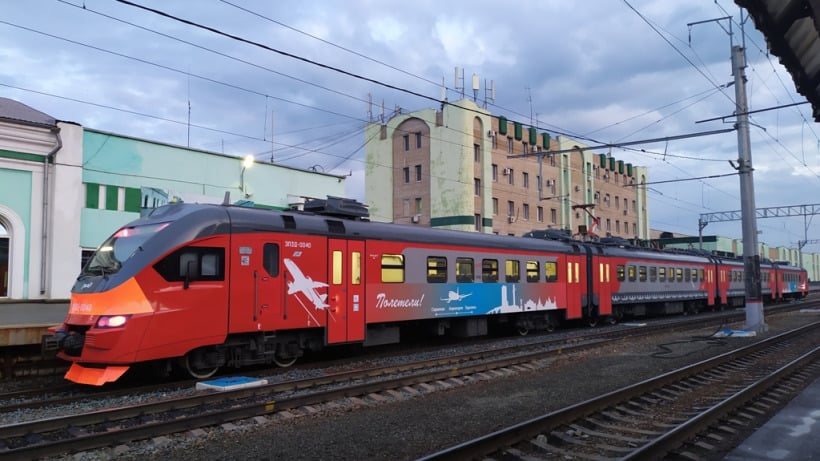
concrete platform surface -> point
(793, 434)
(24, 323)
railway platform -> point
(23, 323)
(790, 435)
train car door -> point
(601, 284)
(345, 311)
(256, 284)
(574, 286)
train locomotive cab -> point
(126, 305)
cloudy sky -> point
(294, 81)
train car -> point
(790, 282)
(651, 282)
(200, 287)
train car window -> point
(204, 263)
(270, 259)
(356, 268)
(489, 270)
(551, 271)
(662, 274)
(184, 260)
(465, 270)
(532, 271)
(642, 273)
(512, 271)
(621, 272)
(679, 274)
(436, 269)
(653, 273)
(210, 265)
(687, 275)
(630, 270)
(338, 268)
(392, 268)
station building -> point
(461, 167)
(65, 188)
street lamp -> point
(247, 162)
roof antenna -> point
(227, 200)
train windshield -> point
(118, 248)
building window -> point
(495, 172)
(511, 176)
(476, 153)
(635, 229)
(418, 172)
(526, 178)
(552, 160)
(509, 145)
(406, 174)
(477, 222)
(539, 214)
(495, 206)
(525, 148)
(477, 183)
(606, 201)
(617, 226)
(526, 210)
(608, 226)
(510, 208)
(553, 215)
(617, 202)
(406, 142)
(418, 140)
(626, 207)
(418, 205)
(626, 228)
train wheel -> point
(284, 362)
(523, 331)
(194, 365)
(592, 321)
(611, 320)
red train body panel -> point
(200, 287)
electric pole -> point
(751, 257)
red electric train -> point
(200, 287)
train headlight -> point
(112, 321)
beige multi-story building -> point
(462, 168)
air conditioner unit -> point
(577, 188)
(491, 133)
(550, 182)
(511, 219)
(416, 218)
(506, 171)
(606, 175)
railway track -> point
(92, 430)
(108, 427)
(68, 393)
(695, 412)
